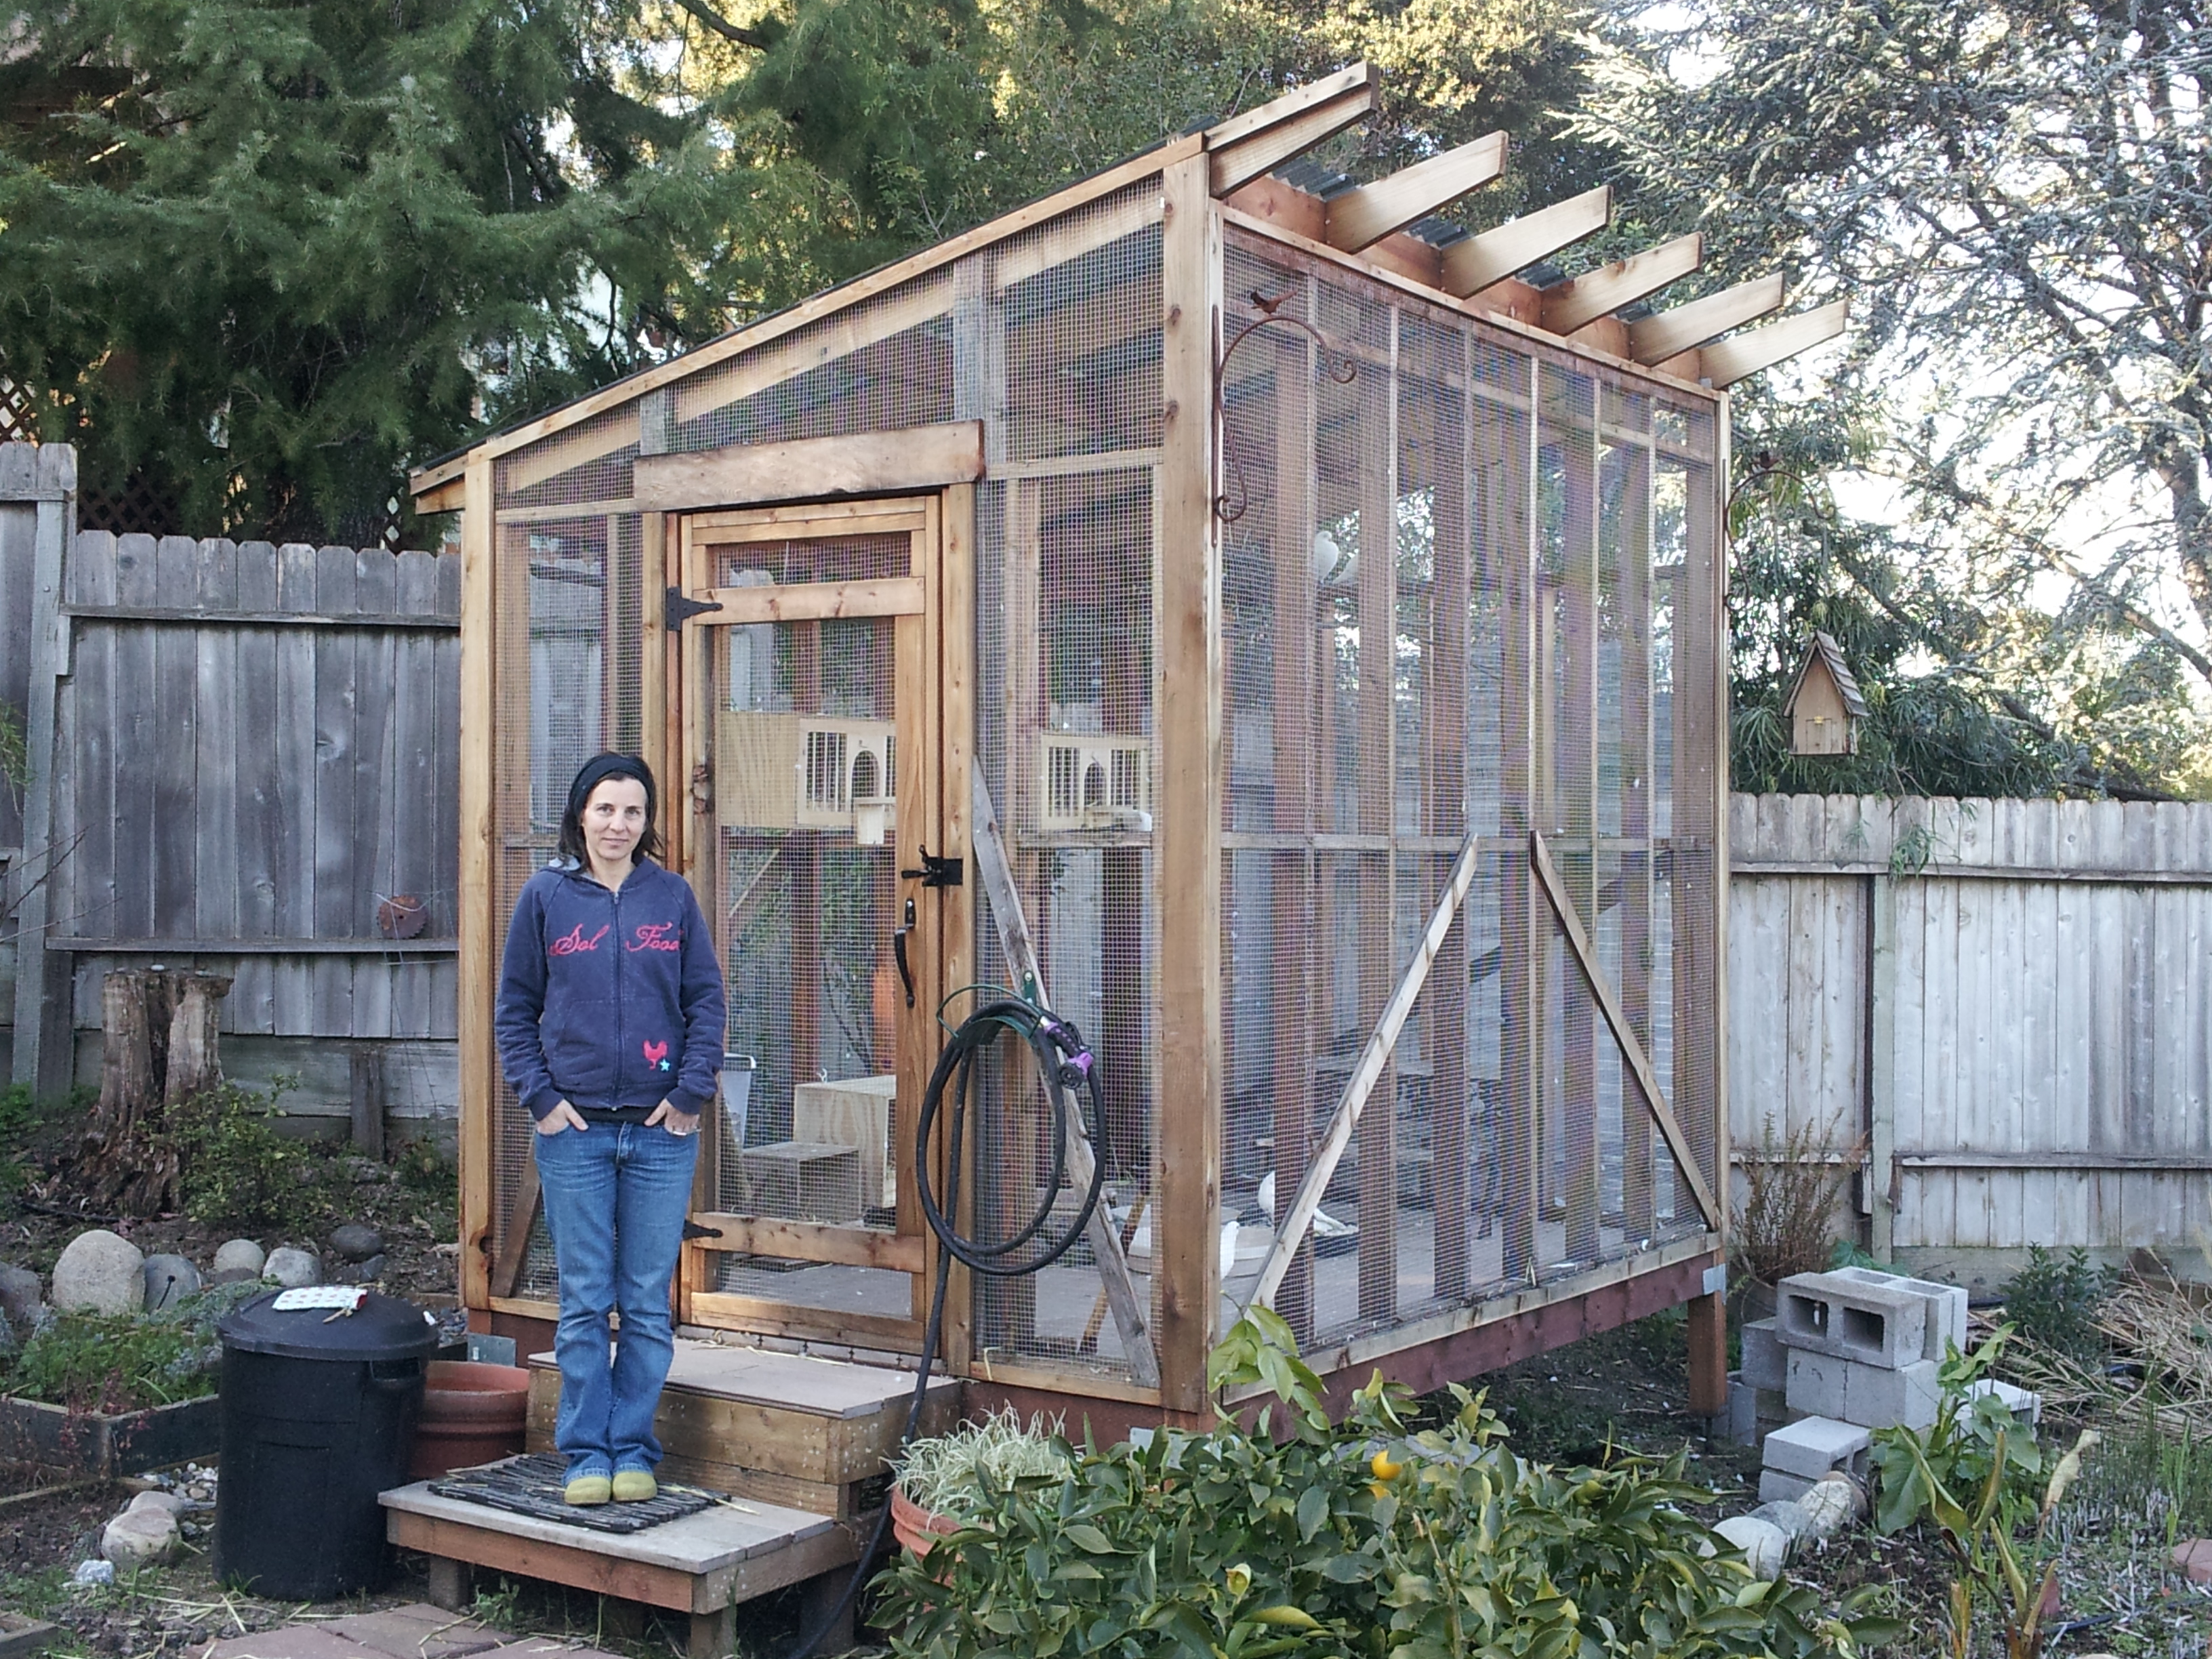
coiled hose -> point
(1061, 1057)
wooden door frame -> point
(933, 608)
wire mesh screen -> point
(1457, 569)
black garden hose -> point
(1059, 1050)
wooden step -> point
(786, 1429)
(702, 1564)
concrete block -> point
(1841, 1314)
(1947, 1311)
(2022, 1403)
(1764, 1364)
(1780, 1486)
(1876, 1396)
(1815, 1446)
(1815, 1387)
(1739, 1424)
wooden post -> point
(1709, 1354)
(1375, 579)
(1882, 1062)
(367, 1065)
(475, 906)
(1187, 866)
(1524, 936)
(44, 1054)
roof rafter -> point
(1245, 146)
(1476, 263)
(1361, 217)
(1584, 299)
(1679, 328)
(1722, 364)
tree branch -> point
(723, 26)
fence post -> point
(44, 1055)
(1882, 1062)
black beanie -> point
(598, 769)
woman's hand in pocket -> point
(562, 1116)
(674, 1119)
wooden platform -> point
(702, 1564)
(808, 1434)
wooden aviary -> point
(1825, 705)
(1244, 611)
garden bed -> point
(78, 1444)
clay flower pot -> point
(918, 1530)
(472, 1413)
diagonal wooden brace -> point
(1571, 924)
(996, 873)
(1291, 1231)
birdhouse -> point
(1825, 705)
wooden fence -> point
(2009, 1002)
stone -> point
(20, 1291)
(101, 1272)
(1830, 1503)
(2023, 1403)
(1765, 1547)
(1765, 1364)
(239, 1253)
(93, 1573)
(354, 1243)
(234, 1276)
(1780, 1487)
(1812, 1446)
(2192, 1557)
(1912, 1395)
(293, 1268)
(169, 1280)
(359, 1272)
(1846, 1316)
(141, 1538)
(21, 1636)
(417, 1631)
(1789, 1514)
(1738, 1424)
(167, 1503)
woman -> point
(609, 1030)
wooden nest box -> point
(1309, 635)
(1825, 706)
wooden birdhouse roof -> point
(1828, 654)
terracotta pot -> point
(472, 1413)
(917, 1528)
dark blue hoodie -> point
(610, 999)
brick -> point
(1839, 1314)
(547, 1647)
(1947, 1310)
(292, 1642)
(418, 1632)
(1816, 1384)
(1764, 1365)
(1739, 1424)
(1815, 1446)
(1780, 1486)
(2021, 1403)
(1877, 1396)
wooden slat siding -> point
(136, 753)
(412, 791)
(2039, 1027)
(172, 832)
(19, 535)
(337, 697)
(215, 897)
(90, 882)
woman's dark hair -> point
(593, 773)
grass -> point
(943, 1472)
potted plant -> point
(945, 1480)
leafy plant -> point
(1980, 1475)
(1792, 1190)
(948, 1474)
(1365, 1537)
(2054, 1300)
(108, 1363)
(235, 1170)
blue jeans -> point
(615, 1200)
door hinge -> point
(937, 871)
(678, 608)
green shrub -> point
(1332, 1540)
(236, 1170)
(2054, 1299)
(106, 1362)
(948, 1473)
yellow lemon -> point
(1383, 1468)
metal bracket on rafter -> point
(678, 608)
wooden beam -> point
(882, 596)
(1732, 360)
(1685, 327)
(481, 928)
(1361, 217)
(1474, 265)
(1579, 300)
(1291, 1231)
(868, 463)
(1245, 146)
(808, 1241)
(1624, 1034)
(441, 498)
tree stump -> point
(162, 1047)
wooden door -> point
(812, 734)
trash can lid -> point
(318, 1325)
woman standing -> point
(610, 1025)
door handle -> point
(898, 951)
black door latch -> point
(937, 871)
(678, 608)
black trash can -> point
(319, 1409)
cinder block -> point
(1876, 1397)
(1780, 1487)
(1946, 1313)
(1815, 1387)
(1815, 1446)
(1839, 1314)
(1739, 1424)
(2022, 1403)
(1764, 1365)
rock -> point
(1838, 1494)
(169, 1280)
(354, 1243)
(101, 1272)
(1765, 1545)
(93, 1573)
(360, 1273)
(1790, 1516)
(7, 1337)
(167, 1503)
(240, 1253)
(2193, 1558)
(233, 1275)
(293, 1268)
(20, 1291)
(141, 1538)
